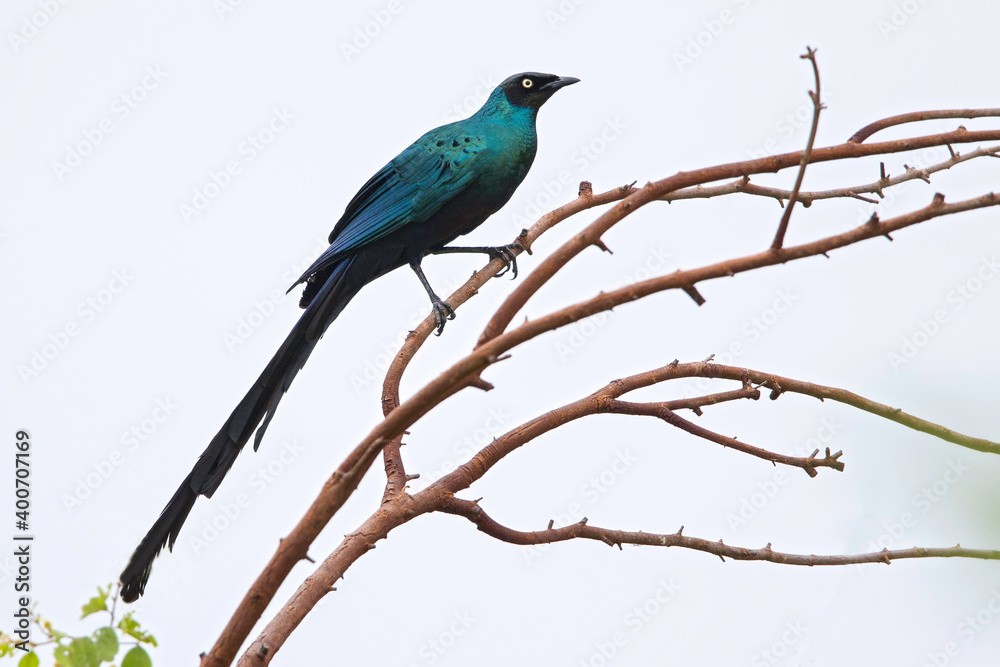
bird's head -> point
(532, 89)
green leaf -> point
(130, 626)
(97, 603)
(29, 660)
(107, 643)
(137, 657)
(84, 652)
(63, 656)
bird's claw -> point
(442, 313)
(506, 254)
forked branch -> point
(497, 341)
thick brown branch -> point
(436, 496)
(291, 550)
(605, 400)
(462, 373)
(416, 338)
(466, 371)
(340, 486)
(582, 530)
(682, 279)
(321, 582)
(685, 179)
(395, 471)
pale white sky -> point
(169, 170)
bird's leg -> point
(503, 252)
(442, 311)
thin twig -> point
(582, 530)
(660, 411)
(743, 184)
(917, 116)
(779, 237)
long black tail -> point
(257, 407)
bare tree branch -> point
(661, 411)
(743, 185)
(439, 496)
(916, 117)
(605, 400)
(344, 481)
(582, 530)
(591, 236)
(463, 372)
(779, 236)
(399, 506)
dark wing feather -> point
(409, 190)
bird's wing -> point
(410, 189)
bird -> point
(441, 187)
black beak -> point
(559, 83)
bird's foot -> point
(508, 256)
(442, 313)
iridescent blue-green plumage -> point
(442, 186)
(478, 161)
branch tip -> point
(692, 292)
(600, 244)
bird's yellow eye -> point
(527, 83)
